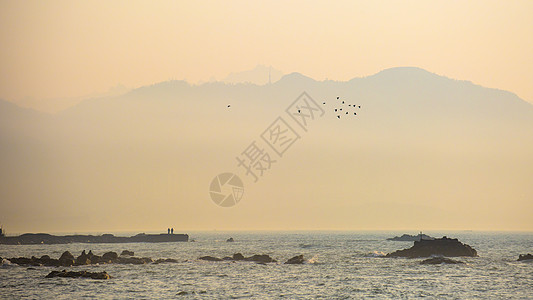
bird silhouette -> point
(346, 112)
(229, 105)
(335, 109)
(298, 111)
(324, 103)
(354, 114)
(339, 117)
(337, 97)
(342, 102)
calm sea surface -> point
(340, 265)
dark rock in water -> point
(134, 260)
(95, 259)
(230, 240)
(67, 259)
(83, 259)
(227, 258)
(260, 258)
(109, 257)
(411, 238)
(79, 274)
(127, 253)
(238, 256)
(297, 260)
(522, 257)
(165, 260)
(210, 258)
(66, 255)
(45, 257)
(440, 260)
(182, 293)
(437, 247)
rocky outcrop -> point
(260, 258)
(297, 260)
(79, 274)
(44, 238)
(230, 240)
(165, 260)
(67, 259)
(127, 253)
(522, 257)
(238, 256)
(210, 258)
(109, 257)
(437, 247)
(411, 238)
(440, 260)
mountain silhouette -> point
(418, 138)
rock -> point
(437, 247)
(182, 293)
(45, 257)
(210, 258)
(297, 260)
(238, 256)
(133, 260)
(66, 259)
(411, 238)
(110, 257)
(230, 240)
(165, 260)
(79, 274)
(440, 260)
(66, 255)
(83, 259)
(127, 253)
(260, 258)
(95, 259)
(522, 257)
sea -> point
(339, 265)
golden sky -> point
(54, 50)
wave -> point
(376, 254)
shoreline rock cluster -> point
(438, 247)
(80, 274)
(258, 258)
(68, 260)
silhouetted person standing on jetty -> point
(172, 231)
(168, 231)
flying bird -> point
(337, 97)
(339, 117)
(229, 105)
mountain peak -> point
(296, 77)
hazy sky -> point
(66, 49)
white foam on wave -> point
(313, 260)
(376, 254)
(7, 264)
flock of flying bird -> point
(338, 111)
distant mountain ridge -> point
(431, 148)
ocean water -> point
(340, 265)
